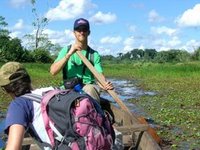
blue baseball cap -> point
(81, 22)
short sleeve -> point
(97, 62)
(62, 53)
(20, 111)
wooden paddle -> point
(102, 81)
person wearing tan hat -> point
(24, 114)
(10, 74)
(72, 66)
(15, 81)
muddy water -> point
(126, 89)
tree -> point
(150, 54)
(137, 54)
(107, 57)
(42, 56)
(120, 55)
(183, 56)
(196, 54)
(38, 39)
(54, 50)
(3, 24)
(172, 56)
(4, 39)
(11, 50)
(126, 56)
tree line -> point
(40, 49)
(151, 55)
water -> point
(125, 89)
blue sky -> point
(117, 26)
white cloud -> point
(110, 40)
(105, 51)
(128, 44)
(161, 45)
(69, 9)
(191, 45)
(19, 3)
(19, 25)
(141, 47)
(174, 42)
(60, 37)
(15, 34)
(101, 18)
(190, 17)
(163, 29)
(164, 44)
(154, 17)
(159, 42)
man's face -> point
(81, 33)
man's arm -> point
(15, 137)
(57, 66)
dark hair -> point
(20, 86)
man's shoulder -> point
(66, 47)
(20, 106)
(20, 111)
(93, 51)
(20, 101)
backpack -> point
(74, 121)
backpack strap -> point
(47, 121)
(34, 97)
(37, 139)
(91, 56)
(64, 70)
(44, 101)
(37, 98)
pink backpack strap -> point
(45, 116)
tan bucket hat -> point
(10, 72)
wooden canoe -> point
(130, 128)
(124, 124)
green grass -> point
(147, 70)
(175, 108)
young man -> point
(22, 113)
(72, 66)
